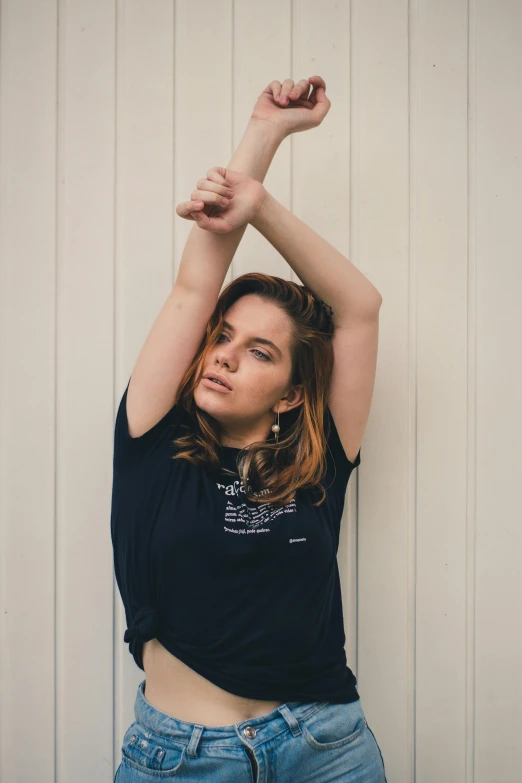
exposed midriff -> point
(174, 688)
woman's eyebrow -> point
(256, 339)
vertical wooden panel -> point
(496, 186)
(204, 100)
(28, 388)
(84, 387)
(262, 53)
(439, 258)
(380, 245)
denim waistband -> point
(251, 732)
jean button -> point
(250, 732)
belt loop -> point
(290, 718)
(192, 749)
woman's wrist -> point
(264, 205)
(271, 129)
(256, 149)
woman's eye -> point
(265, 357)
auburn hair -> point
(298, 460)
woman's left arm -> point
(356, 304)
(329, 274)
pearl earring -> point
(276, 429)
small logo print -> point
(293, 540)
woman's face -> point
(258, 374)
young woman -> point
(234, 443)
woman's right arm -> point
(180, 325)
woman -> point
(234, 442)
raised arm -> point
(180, 325)
(281, 109)
(356, 304)
(317, 263)
(207, 256)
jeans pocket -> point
(334, 725)
(152, 753)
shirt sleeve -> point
(129, 451)
(339, 467)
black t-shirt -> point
(247, 595)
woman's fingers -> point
(285, 89)
(293, 92)
(275, 88)
(184, 208)
(299, 89)
(317, 82)
(200, 218)
(214, 190)
(207, 186)
(210, 198)
(218, 174)
(198, 200)
(216, 224)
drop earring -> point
(276, 429)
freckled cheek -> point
(259, 391)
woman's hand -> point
(288, 106)
(212, 208)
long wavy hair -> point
(270, 472)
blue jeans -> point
(298, 742)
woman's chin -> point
(208, 400)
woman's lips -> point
(214, 385)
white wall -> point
(109, 113)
